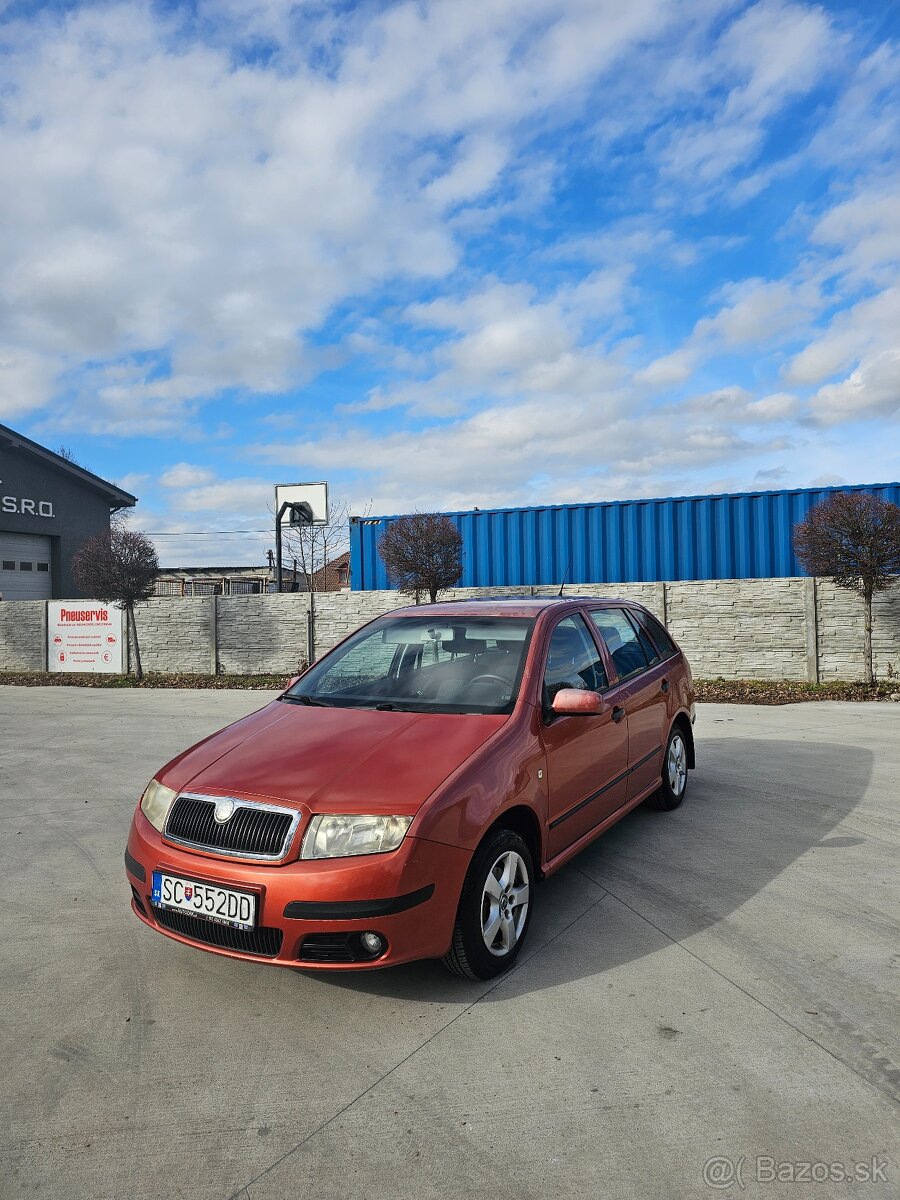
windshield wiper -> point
(303, 698)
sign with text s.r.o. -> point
(85, 635)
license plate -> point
(223, 906)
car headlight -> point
(156, 802)
(331, 836)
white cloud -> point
(864, 125)
(134, 481)
(476, 169)
(197, 196)
(670, 369)
(172, 203)
(770, 54)
(27, 381)
(233, 497)
(871, 325)
(169, 201)
(865, 230)
(185, 475)
(757, 311)
(504, 452)
(872, 390)
(780, 406)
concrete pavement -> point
(714, 983)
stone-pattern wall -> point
(741, 628)
(840, 629)
(176, 638)
(335, 614)
(886, 633)
(736, 628)
(262, 635)
(22, 635)
(233, 635)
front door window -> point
(587, 756)
(573, 661)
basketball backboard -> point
(313, 494)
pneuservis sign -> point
(84, 635)
(25, 506)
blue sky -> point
(445, 254)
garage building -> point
(48, 508)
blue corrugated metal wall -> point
(742, 536)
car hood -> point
(333, 759)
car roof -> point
(502, 606)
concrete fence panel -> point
(23, 634)
(841, 630)
(741, 628)
(259, 635)
(796, 629)
(176, 636)
(335, 614)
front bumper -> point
(409, 897)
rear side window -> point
(650, 651)
(621, 641)
(657, 631)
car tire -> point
(674, 773)
(493, 917)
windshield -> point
(439, 664)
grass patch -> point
(718, 691)
(152, 680)
(765, 691)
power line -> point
(208, 533)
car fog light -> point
(372, 943)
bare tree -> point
(314, 546)
(119, 567)
(68, 454)
(422, 553)
(853, 538)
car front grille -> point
(262, 941)
(253, 831)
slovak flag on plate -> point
(188, 893)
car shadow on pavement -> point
(753, 808)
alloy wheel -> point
(676, 764)
(504, 903)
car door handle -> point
(664, 686)
(618, 713)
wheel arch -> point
(524, 821)
(683, 723)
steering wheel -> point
(488, 678)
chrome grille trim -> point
(253, 822)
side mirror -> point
(290, 683)
(574, 702)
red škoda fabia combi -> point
(404, 796)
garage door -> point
(25, 567)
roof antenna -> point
(566, 576)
